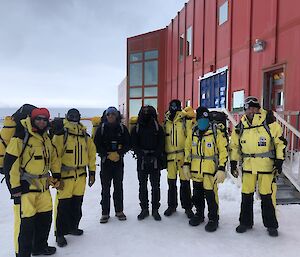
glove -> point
(234, 171)
(91, 178)
(186, 172)
(278, 165)
(56, 183)
(113, 156)
(220, 176)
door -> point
(274, 90)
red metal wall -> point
(277, 22)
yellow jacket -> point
(75, 148)
(38, 157)
(176, 132)
(255, 140)
(206, 154)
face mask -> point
(147, 117)
(203, 124)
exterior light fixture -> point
(259, 45)
(196, 59)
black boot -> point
(144, 214)
(242, 228)
(211, 226)
(273, 232)
(49, 250)
(168, 212)
(104, 218)
(121, 216)
(76, 232)
(196, 220)
(156, 215)
(189, 213)
(61, 241)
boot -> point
(242, 228)
(168, 212)
(196, 220)
(144, 214)
(121, 216)
(156, 215)
(76, 232)
(211, 226)
(104, 219)
(49, 250)
(61, 241)
(273, 232)
(189, 213)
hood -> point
(76, 129)
(26, 123)
(258, 118)
(179, 115)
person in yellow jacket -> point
(177, 124)
(29, 157)
(77, 152)
(205, 160)
(258, 142)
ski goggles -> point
(251, 101)
(41, 118)
(174, 107)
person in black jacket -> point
(112, 141)
(148, 139)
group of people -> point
(189, 145)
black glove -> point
(233, 168)
(278, 165)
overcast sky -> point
(71, 52)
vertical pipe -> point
(203, 39)
(276, 31)
(193, 52)
(230, 58)
(216, 35)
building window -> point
(223, 13)
(150, 91)
(187, 103)
(151, 101)
(134, 107)
(181, 47)
(151, 73)
(189, 42)
(135, 57)
(135, 92)
(136, 74)
(151, 54)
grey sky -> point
(71, 52)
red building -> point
(215, 53)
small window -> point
(134, 107)
(181, 46)
(151, 73)
(150, 91)
(187, 103)
(238, 100)
(223, 13)
(135, 57)
(189, 41)
(135, 92)
(151, 55)
(151, 101)
(136, 74)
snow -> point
(171, 237)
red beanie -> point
(40, 112)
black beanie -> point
(202, 112)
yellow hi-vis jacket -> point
(254, 146)
(76, 149)
(29, 164)
(207, 153)
(176, 132)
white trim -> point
(209, 74)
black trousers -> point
(34, 232)
(112, 172)
(69, 214)
(185, 194)
(154, 176)
(267, 207)
(198, 198)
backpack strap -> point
(3, 142)
(25, 141)
(184, 125)
(102, 129)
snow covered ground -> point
(171, 237)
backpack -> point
(10, 126)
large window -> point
(135, 92)
(150, 91)
(151, 73)
(151, 101)
(134, 57)
(151, 54)
(189, 42)
(134, 107)
(136, 75)
(181, 47)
